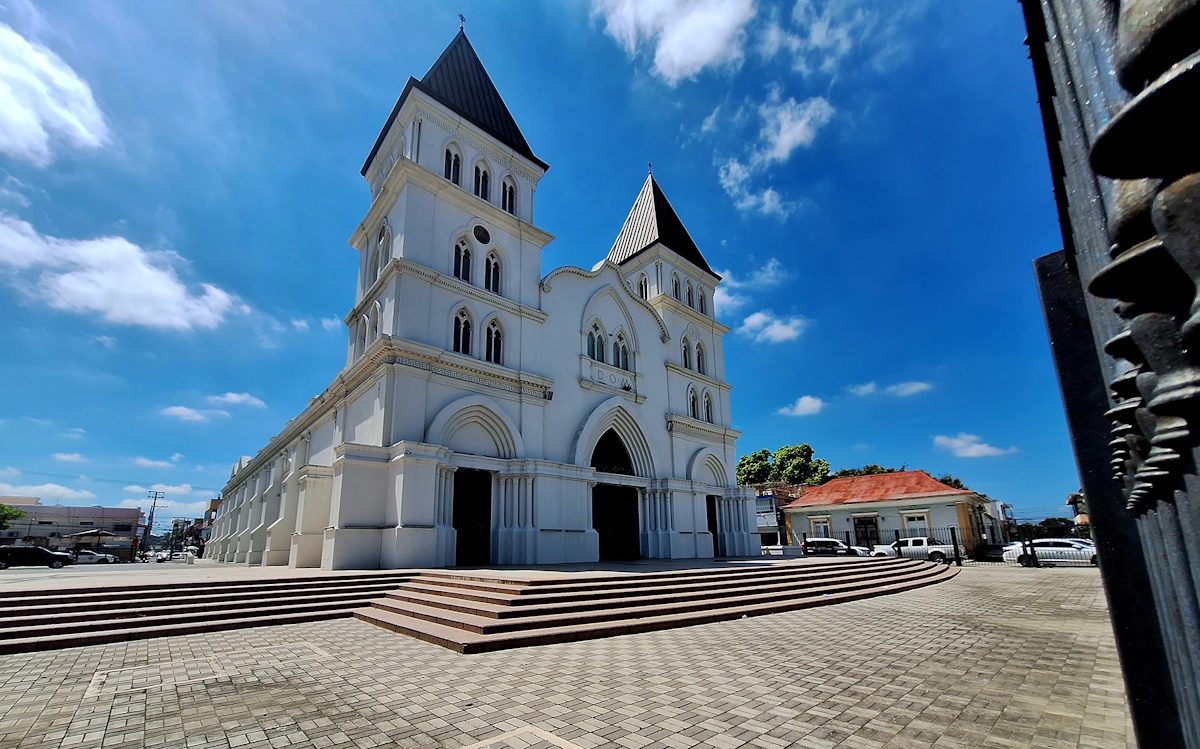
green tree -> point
(868, 470)
(796, 464)
(954, 482)
(1056, 527)
(8, 513)
(754, 468)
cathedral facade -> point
(487, 414)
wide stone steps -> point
(58, 619)
(476, 613)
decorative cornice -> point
(694, 375)
(701, 429)
(398, 266)
(405, 171)
(571, 270)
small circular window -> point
(482, 235)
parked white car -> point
(815, 546)
(87, 556)
(921, 547)
(1053, 551)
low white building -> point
(488, 415)
(871, 510)
(53, 525)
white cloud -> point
(73, 433)
(168, 490)
(903, 389)
(109, 276)
(788, 125)
(169, 508)
(330, 323)
(176, 457)
(824, 35)
(105, 341)
(43, 99)
(765, 277)
(15, 191)
(687, 35)
(710, 122)
(735, 180)
(236, 399)
(69, 458)
(864, 389)
(764, 327)
(45, 491)
(183, 413)
(805, 405)
(300, 325)
(148, 463)
(969, 446)
(10, 471)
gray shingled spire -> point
(652, 219)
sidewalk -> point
(996, 657)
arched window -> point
(481, 182)
(707, 409)
(384, 243)
(675, 286)
(453, 168)
(644, 287)
(494, 352)
(462, 261)
(700, 359)
(703, 306)
(374, 329)
(508, 195)
(362, 335)
(620, 352)
(690, 299)
(491, 273)
(693, 411)
(462, 332)
(372, 270)
(687, 354)
(596, 343)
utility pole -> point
(154, 497)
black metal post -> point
(898, 543)
(954, 542)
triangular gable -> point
(651, 220)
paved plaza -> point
(996, 657)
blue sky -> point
(178, 181)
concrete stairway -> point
(472, 612)
(48, 620)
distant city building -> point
(770, 499)
(52, 526)
(487, 414)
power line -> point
(76, 477)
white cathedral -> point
(487, 415)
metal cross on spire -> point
(462, 21)
(649, 167)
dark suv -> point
(32, 556)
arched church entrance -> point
(472, 517)
(615, 507)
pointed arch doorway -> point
(615, 507)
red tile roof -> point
(879, 487)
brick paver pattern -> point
(997, 657)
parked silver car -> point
(1052, 551)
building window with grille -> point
(453, 168)
(700, 367)
(462, 333)
(494, 350)
(508, 195)
(707, 409)
(687, 354)
(491, 273)
(481, 182)
(462, 261)
(693, 410)
(644, 287)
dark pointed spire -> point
(459, 81)
(651, 220)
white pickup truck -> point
(921, 547)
